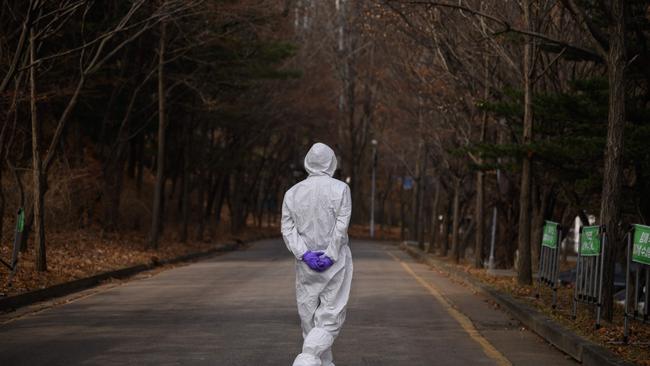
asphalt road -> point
(239, 309)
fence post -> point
(556, 269)
(626, 321)
(540, 271)
(576, 292)
(549, 263)
(599, 306)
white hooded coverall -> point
(315, 216)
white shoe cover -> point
(317, 341)
(307, 359)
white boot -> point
(327, 358)
(317, 342)
(307, 359)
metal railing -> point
(588, 286)
(638, 265)
(549, 264)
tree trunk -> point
(212, 187)
(455, 250)
(3, 155)
(154, 235)
(112, 192)
(414, 220)
(130, 168)
(172, 189)
(467, 233)
(542, 212)
(213, 201)
(444, 242)
(21, 201)
(524, 270)
(203, 187)
(2, 198)
(258, 201)
(480, 220)
(402, 211)
(2, 189)
(382, 206)
(565, 217)
(610, 204)
(435, 226)
(17, 57)
(39, 215)
(480, 184)
(419, 211)
(140, 165)
(185, 199)
(114, 174)
(223, 192)
(237, 204)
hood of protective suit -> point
(320, 160)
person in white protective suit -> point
(315, 217)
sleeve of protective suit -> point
(340, 234)
(291, 236)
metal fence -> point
(549, 264)
(638, 267)
(588, 287)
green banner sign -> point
(550, 234)
(641, 244)
(20, 222)
(590, 241)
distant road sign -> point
(408, 182)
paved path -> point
(239, 309)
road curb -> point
(581, 349)
(11, 303)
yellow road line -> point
(461, 318)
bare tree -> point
(525, 271)
(39, 216)
(613, 50)
(156, 216)
(92, 56)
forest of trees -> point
(177, 116)
(170, 108)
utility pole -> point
(493, 238)
(372, 189)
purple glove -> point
(313, 260)
(324, 263)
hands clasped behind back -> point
(317, 261)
